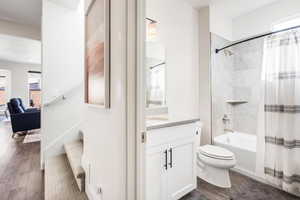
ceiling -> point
(199, 3)
(27, 12)
(20, 50)
(233, 8)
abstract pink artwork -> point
(97, 54)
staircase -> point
(64, 175)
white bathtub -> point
(243, 146)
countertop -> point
(152, 124)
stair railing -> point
(62, 97)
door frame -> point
(135, 109)
(141, 99)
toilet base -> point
(215, 176)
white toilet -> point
(213, 165)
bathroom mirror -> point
(155, 72)
(156, 75)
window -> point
(34, 81)
(3, 95)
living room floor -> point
(20, 174)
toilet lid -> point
(216, 152)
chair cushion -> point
(21, 104)
(16, 106)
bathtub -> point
(243, 146)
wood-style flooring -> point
(20, 174)
(22, 179)
(243, 188)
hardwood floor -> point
(243, 188)
(22, 179)
(20, 174)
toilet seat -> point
(216, 152)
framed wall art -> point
(97, 53)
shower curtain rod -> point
(256, 37)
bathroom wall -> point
(204, 75)
(178, 32)
(262, 19)
(236, 77)
(242, 73)
(246, 84)
(222, 67)
(220, 22)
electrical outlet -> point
(99, 192)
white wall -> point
(104, 129)
(248, 24)
(19, 79)
(19, 30)
(72, 4)
(204, 75)
(261, 20)
(220, 22)
(178, 32)
(62, 71)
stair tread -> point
(59, 180)
(74, 151)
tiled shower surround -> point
(236, 77)
(221, 84)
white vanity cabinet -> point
(171, 161)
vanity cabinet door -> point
(182, 177)
(156, 172)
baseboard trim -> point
(249, 174)
(254, 177)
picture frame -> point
(97, 54)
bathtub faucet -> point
(225, 119)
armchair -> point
(23, 119)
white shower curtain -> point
(281, 77)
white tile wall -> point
(236, 77)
